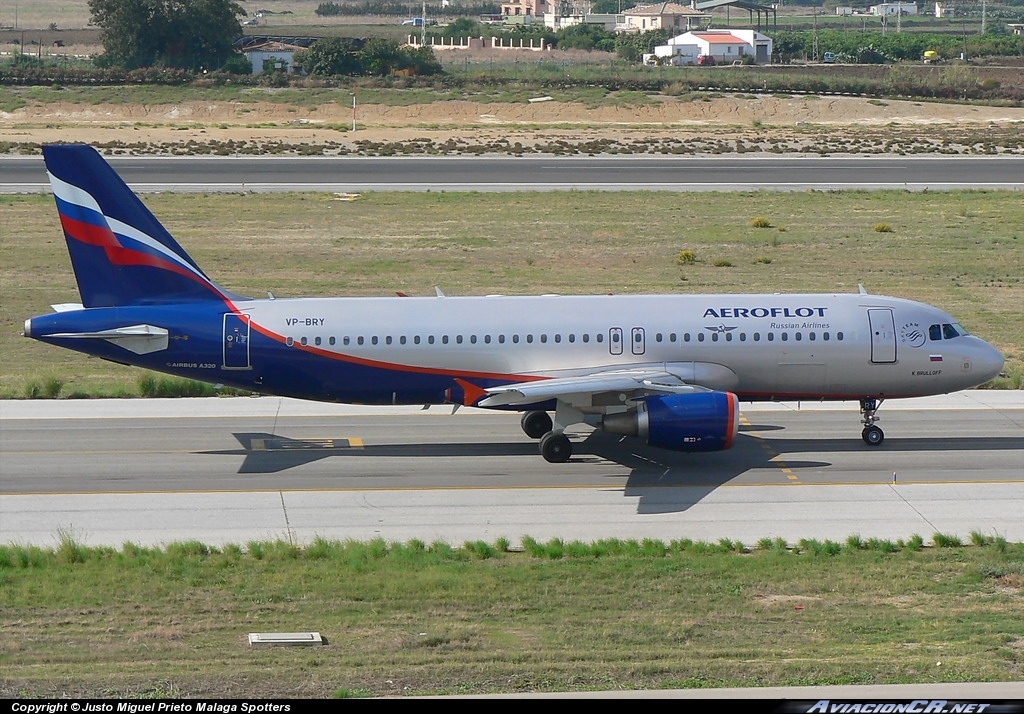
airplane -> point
(670, 370)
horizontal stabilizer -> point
(140, 339)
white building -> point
(725, 46)
(271, 56)
(894, 8)
(661, 16)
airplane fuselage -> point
(408, 350)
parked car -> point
(828, 57)
(706, 61)
(419, 22)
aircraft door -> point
(636, 342)
(883, 336)
(236, 341)
(615, 340)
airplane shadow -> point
(662, 481)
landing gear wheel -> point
(872, 435)
(536, 424)
(555, 447)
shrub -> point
(722, 264)
(883, 228)
(943, 540)
(761, 222)
(685, 257)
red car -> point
(706, 61)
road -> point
(356, 174)
(230, 470)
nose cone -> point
(987, 362)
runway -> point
(26, 174)
(239, 469)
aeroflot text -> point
(765, 312)
(918, 706)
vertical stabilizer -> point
(120, 253)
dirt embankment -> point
(790, 123)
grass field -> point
(416, 618)
(962, 251)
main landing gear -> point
(555, 446)
(872, 434)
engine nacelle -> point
(704, 421)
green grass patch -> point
(416, 618)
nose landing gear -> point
(872, 434)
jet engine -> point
(704, 421)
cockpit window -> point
(956, 329)
(946, 331)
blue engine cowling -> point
(704, 421)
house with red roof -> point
(723, 46)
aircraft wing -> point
(632, 382)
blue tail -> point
(120, 253)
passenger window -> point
(839, 336)
(444, 339)
(316, 340)
(331, 341)
(303, 340)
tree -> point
(190, 34)
(331, 55)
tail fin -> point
(120, 253)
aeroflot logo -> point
(766, 312)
